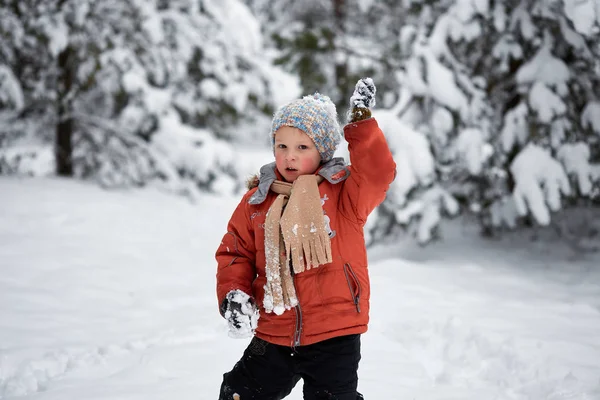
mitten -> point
(241, 314)
(362, 100)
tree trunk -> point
(63, 145)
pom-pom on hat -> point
(317, 117)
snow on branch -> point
(540, 181)
(473, 150)
(547, 104)
(574, 38)
(506, 49)
(590, 117)
(426, 212)
(11, 93)
(426, 76)
(121, 135)
(415, 163)
(504, 212)
(585, 15)
(515, 129)
(545, 68)
(575, 158)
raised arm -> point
(372, 168)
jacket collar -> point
(334, 171)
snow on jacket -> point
(333, 298)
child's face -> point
(295, 153)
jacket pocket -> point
(339, 288)
(353, 285)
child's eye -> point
(303, 147)
(281, 146)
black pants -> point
(270, 372)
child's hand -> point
(364, 94)
(241, 314)
(362, 100)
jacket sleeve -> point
(236, 255)
(372, 168)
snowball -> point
(247, 325)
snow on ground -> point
(111, 295)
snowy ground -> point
(111, 295)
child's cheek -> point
(308, 165)
(280, 162)
(279, 159)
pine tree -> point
(504, 92)
(466, 98)
(139, 92)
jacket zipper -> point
(298, 311)
(355, 288)
(298, 331)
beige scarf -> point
(294, 234)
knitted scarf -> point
(295, 235)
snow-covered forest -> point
(128, 129)
(492, 108)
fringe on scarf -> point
(295, 235)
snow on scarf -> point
(294, 234)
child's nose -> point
(291, 155)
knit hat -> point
(317, 117)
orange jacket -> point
(333, 298)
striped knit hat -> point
(317, 117)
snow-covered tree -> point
(505, 94)
(57, 55)
(478, 89)
(304, 37)
(22, 81)
(136, 91)
(330, 44)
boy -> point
(295, 250)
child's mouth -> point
(291, 169)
